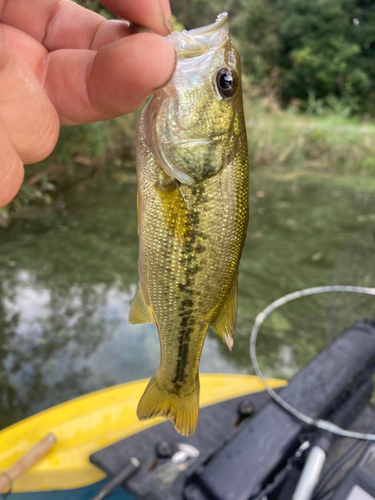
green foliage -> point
(321, 48)
(328, 141)
(197, 13)
(87, 140)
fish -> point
(193, 178)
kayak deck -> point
(94, 421)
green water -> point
(68, 274)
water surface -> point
(68, 274)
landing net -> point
(320, 424)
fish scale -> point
(192, 168)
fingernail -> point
(168, 24)
(167, 15)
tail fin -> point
(180, 407)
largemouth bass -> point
(192, 169)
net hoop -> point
(318, 423)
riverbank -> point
(279, 141)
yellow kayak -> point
(91, 422)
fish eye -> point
(227, 82)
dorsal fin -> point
(138, 310)
(225, 321)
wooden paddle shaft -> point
(25, 462)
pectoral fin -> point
(176, 214)
(225, 321)
(138, 311)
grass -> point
(286, 140)
(281, 141)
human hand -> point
(61, 64)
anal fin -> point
(225, 321)
(138, 310)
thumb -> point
(11, 167)
(28, 115)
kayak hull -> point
(91, 422)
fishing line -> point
(315, 422)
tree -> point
(325, 47)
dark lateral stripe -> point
(182, 356)
(191, 248)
